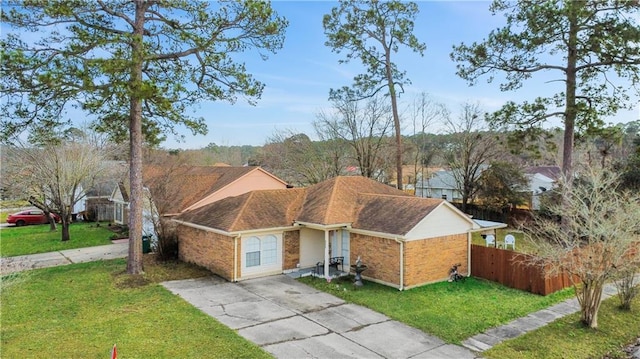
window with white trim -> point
(253, 252)
(269, 249)
(119, 215)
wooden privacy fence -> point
(508, 268)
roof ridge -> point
(249, 195)
(325, 218)
(387, 195)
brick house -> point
(405, 241)
(171, 191)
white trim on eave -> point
(204, 228)
(365, 232)
(322, 227)
(456, 210)
(234, 233)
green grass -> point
(567, 338)
(15, 241)
(451, 311)
(522, 245)
(81, 310)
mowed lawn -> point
(82, 310)
(456, 311)
(567, 338)
(15, 241)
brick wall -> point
(207, 249)
(429, 260)
(380, 255)
(290, 250)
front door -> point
(340, 245)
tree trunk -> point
(65, 229)
(589, 296)
(134, 262)
(52, 221)
(570, 109)
(396, 116)
(570, 97)
(396, 125)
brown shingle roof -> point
(365, 203)
(174, 189)
(392, 214)
(252, 210)
(333, 201)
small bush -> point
(166, 247)
(627, 288)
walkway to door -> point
(291, 320)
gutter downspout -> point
(401, 286)
(235, 258)
(326, 254)
(468, 254)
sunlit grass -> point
(522, 244)
(451, 311)
(81, 310)
(567, 338)
(15, 241)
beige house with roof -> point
(403, 240)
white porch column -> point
(326, 253)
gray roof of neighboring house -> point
(108, 179)
(441, 179)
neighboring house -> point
(404, 241)
(412, 177)
(442, 184)
(171, 191)
(541, 180)
(97, 205)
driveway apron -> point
(291, 320)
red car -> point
(30, 216)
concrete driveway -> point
(291, 320)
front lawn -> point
(567, 338)
(16, 241)
(82, 310)
(451, 311)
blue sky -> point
(299, 76)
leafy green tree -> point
(591, 46)
(503, 184)
(372, 31)
(136, 66)
(604, 141)
(630, 166)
